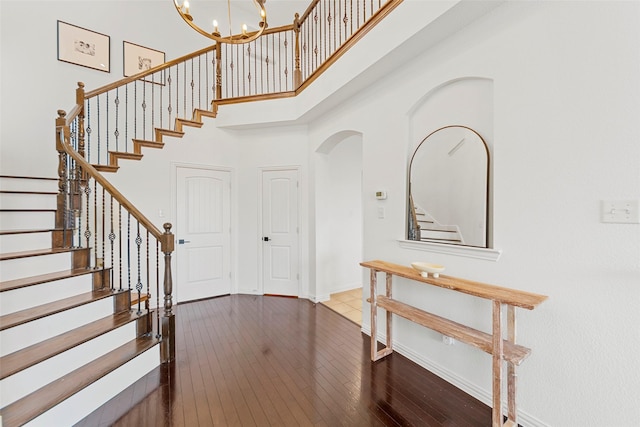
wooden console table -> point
(500, 349)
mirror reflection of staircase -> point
(347, 304)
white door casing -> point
(280, 232)
(203, 233)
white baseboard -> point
(471, 389)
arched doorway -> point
(339, 223)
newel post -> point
(218, 94)
(168, 344)
(80, 130)
(297, 72)
(62, 131)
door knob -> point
(182, 241)
(266, 239)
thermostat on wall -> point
(381, 195)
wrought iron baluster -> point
(120, 247)
(192, 88)
(116, 133)
(88, 132)
(87, 231)
(126, 115)
(112, 238)
(169, 91)
(146, 303)
(95, 222)
(158, 331)
(184, 92)
(107, 125)
(206, 76)
(102, 231)
(98, 125)
(139, 281)
(135, 113)
(129, 251)
(153, 102)
(144, 110)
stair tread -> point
(148, 143)
(189, 122)
(20, 317)
(32, 253)
(170, 132)
(126, 155)
(24, 282)
(45, 398)
(28, 231)
(204, 113)
(32, 355)
(106, 168)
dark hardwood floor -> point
(245, 360)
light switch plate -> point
(621, 211)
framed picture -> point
(137, 59)
(84, 47)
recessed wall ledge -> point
(488, 254)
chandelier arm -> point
(245, 37)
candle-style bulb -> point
(215, 26)
(186, 7)
(244, 29)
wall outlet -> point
(620, 211)
(448, 340)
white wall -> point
(35, 84)
(338, 230)
(566, 103)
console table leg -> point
(497, 364)
(511, 368)
(389, 314)
(374, 314)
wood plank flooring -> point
(245, 360)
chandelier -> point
(243, 37)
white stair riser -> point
(27, 334)
(37, 376)
(25, 242)
(23, 298)
(13, 184)
(91, 398)
(440, 235)
(11, 269)
(27, 220)
(27, 201)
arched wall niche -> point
(466, 102)
(338, 213)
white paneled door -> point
(280, 232)
(203, 233)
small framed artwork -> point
(137, 59)
(83, 47)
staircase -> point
(69, 341)
(158, 142)
(432, 231)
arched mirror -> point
(449, 188)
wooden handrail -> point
(150, 71)
(119, 197)
(308, 11)
(350, 42)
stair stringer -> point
(158, 142)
